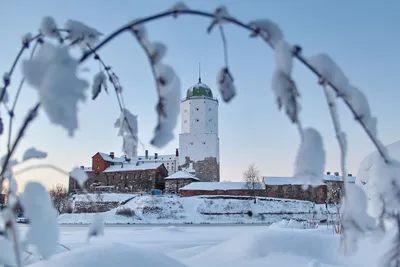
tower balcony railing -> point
(200, 97)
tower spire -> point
(199, 73)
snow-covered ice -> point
(205, 245)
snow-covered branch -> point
(53, 72)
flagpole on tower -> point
(199, 73)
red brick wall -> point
(99, 164)
(239, 192)
(315, 194)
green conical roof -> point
(199, 90)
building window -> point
(185, 121)
(204, 143)
(191, 143)
(197, 120)
(209, 119)
(197, 109)
(209, 109)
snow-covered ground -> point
(206, 245)
(165, 209)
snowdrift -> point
(171, 209)
(114, 254)
(272, 248)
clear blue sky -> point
(361, 35)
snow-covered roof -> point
(132, 167)
(107, 157)
(350, 179)
(87, 169)
(181, 175)
(159, 157)
(210, 186)
(270, 180)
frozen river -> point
(215, 245)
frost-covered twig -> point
(7, 75)
(113, 78)
(256, 31)
(31, 115)
(11, 112)
(340, 135)
(41, 166)
(378, 145)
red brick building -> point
(117, 174)
(328, 191)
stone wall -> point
(206, 170)
(88, 207)
(173, 186)
(317, 195)
(314, 194)
(239, 192)
(136, 181)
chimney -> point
(336, 174)
(155, 155)
(177, 152)
(146, 154)
(82, 167)
(328, 173)
(112, 155)
(350, 174)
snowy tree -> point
(253, 181)
(59, 196)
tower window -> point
(197, 120)
(197, 109)
(204, 143)
(209, 119)
(209, 109)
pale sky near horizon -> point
(362, 36)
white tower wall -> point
(199, 138)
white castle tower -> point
(199, 141)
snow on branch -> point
(53, 73)
(226, 86)
(168, 87)
(178, 7)
(310, 159)
(224, 77)
(128, 129)
(43, 227)
(96, 227)
(99, 82)
(168, 106)
(33, 153)
(81, 34)
(80, 176)
(48, 28)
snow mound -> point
(288, 224)
(366, 170)
(273, 246)
(114, 254)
